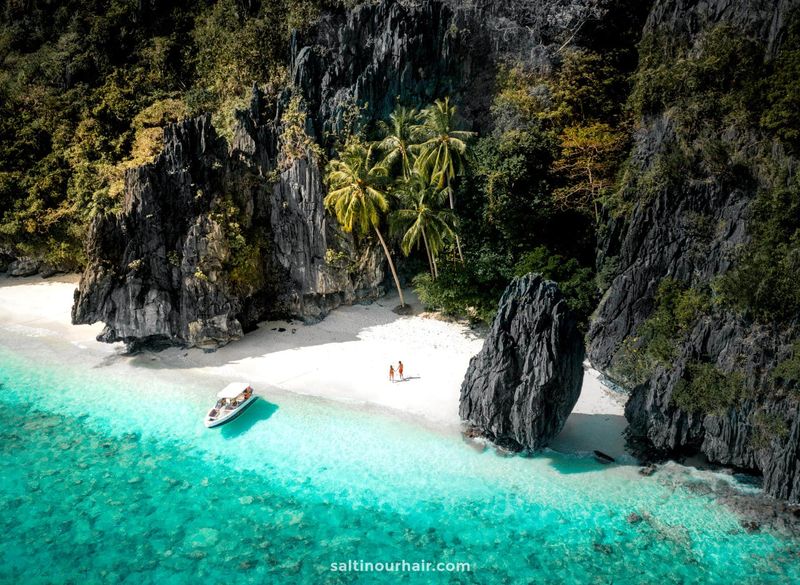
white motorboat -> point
(232, 401)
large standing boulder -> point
(522, 386)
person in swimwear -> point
(400, 369)
(391, 373)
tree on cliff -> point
(589, 158)
(357, 195)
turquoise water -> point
(107, 475)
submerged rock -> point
(634, 518)
(522, 386)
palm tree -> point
(357, 195)
(443, 150)
(399, 138)
(421, 220)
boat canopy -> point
(233, 390)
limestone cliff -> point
(206, 245)
(211, 237)
(690, 231)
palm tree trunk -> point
(453, 208)
(458, 245)
(391, 266)
(428, 252)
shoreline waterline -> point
(341, 359)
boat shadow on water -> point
(259, 411)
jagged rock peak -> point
(209, 241)
(522, 386)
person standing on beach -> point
(400, 369)
(391, 373)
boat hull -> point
(232, 416)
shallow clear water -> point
(108, 475)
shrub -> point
(768, 427)
(576, 282)
(461, 292)
(247, 268)
(607, 273)
(706, 390)
(677, 309)
(781, 88)
(246, 244)
(763, 282)
(787, 372)
(295, 142)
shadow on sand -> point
(407, 379)
(261, 410)
(343, 325)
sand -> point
(346, 358)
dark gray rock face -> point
(156, 268)
(162, 269)
(743, 436)
(690, 232)
(522, 386)
(388, 52)
(24, 267)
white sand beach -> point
(346, 357)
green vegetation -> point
(442, 150)
(424, 157)
(247, 246)
(532, 190)
(399, 138)
(471, 293)
(706, 390)
(763, 282)
(787, 372)
(295, 142)
(414, 162)
(781, 114)
(590, 157)
(677, 310)
(576, 282)
(724, 86)
(768, 427)
(421, 218)
(86, 88)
